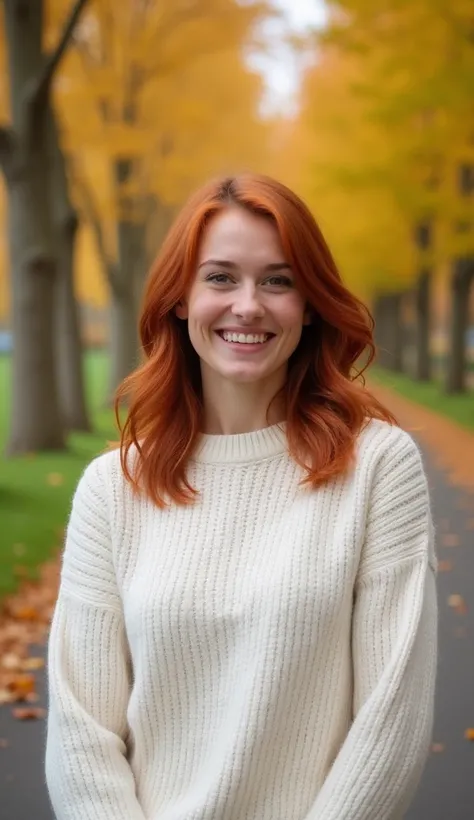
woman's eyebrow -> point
(225, 263)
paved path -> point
(447, 788)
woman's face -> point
(245, 314)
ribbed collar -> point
(241, 447)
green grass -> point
(459, 408)
(33, 512)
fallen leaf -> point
(11, 661)
(28, 712)
(27, 613)
(470, 524)
(437, 748)
(6, 697)
(469, 734)
(3, 743)
(55, 479)
(22, 685)
(445, 566)
(450, 540)
(457, 603)
(32, 664)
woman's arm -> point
(87, 773)
(394, 643)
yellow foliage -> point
(385, 122)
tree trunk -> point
(35, 416)
(123, 337)
(423, 315)
(68, 335)
(123, 309)
(395, 329)
(456, 366)
(69, 348)
(389, 331)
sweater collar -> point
(241, 447)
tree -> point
(36, 422)
(386, 123)
(125, 86)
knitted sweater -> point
(268, 653)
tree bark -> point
(68, 334)
(123, 308)
(35, 413)
(456, 365)
(389, 331)
(423, 326)
(35, 417)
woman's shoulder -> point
(381, 443)
(104, 473)
(380, 436)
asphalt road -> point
(447, 788)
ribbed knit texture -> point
(268, 653)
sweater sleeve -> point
(394, 643)
(87, 772)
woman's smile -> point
(242, 341)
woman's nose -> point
(247, 304)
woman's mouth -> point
(231, 337)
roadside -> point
(451, 446)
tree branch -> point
(54, 59)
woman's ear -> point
(181, 310)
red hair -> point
(327, 403)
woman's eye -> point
(218, 278)
(279, 281)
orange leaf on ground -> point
(28, 713)
(450, 540)
(11, 662)
(445, 566)
(22, 685)
(55, 479)
(457, 603)
(469, 734)
(27, 613)
(32, 664)
(437, 748)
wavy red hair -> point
(327, 403)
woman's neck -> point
(231, 408)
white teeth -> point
(245, 339)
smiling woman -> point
(246, 623)
(196, 382)
(245, 319)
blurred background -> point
(111, 113)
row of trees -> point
(383, 150)
(115, 111)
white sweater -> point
(266, 654)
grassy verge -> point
(36, 490)
(459, 408)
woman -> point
(246, 623)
